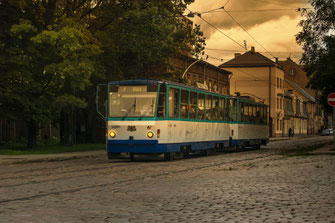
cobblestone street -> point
(252, 186)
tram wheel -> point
(132, 156)
(180, 155)
(169, 156)
(239, 148)
(256, 146)
(208, 152)
(113, 155)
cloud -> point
(248, 20)
(277, 37)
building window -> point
(277, 124)
(278, 103)
(277, 82)
(292, 72)
(280, 83)
(280, 124)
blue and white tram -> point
(161, 117)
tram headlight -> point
(112, 134)
(150, 134)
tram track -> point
(63, 172)
(128, 180)
(73, 164)
(105, 168)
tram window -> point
(208, 107)
(250, 113)
(215, 108)
(261, 114)
(234, 111)
(184, 104)
(258, 114)
(221, 109)
(246, 112)
(254, 113)
(193, 106)
(241, 115)
(201, 106)
(173, 103)
(227, 110)
(161, 102)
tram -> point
(162, 117)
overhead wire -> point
(199, 15)
(273, 3)
(253, 10)
(237, 50)
(248, 33)
(226, 3)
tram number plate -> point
(131, 128)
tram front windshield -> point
(132, 101)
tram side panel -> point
(249, 134)
(197, 135)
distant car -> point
(327, 132)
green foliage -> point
(53, 53)
(318, 40)
(46, 67)
(199, 42)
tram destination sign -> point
(331, 99)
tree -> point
(199, 42)
(43, 70)
(55, 52)
(318, 40)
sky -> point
(268, 25)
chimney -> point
(237, 54)
(252, 49)
(276, 59)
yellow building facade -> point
(295, 82)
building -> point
(295, 111)
(258, 76)
(295, 82)
(209, 75)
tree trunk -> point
(62, 128)
(32, 134)
(67, 128)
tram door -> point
(173, 113)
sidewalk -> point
(16, 159)
(290, 138)
(326, 150)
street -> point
(251, 186)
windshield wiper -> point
(134, 105)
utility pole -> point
(331, 102)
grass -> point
(49, 148)
(302, 151)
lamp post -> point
(187, 69)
